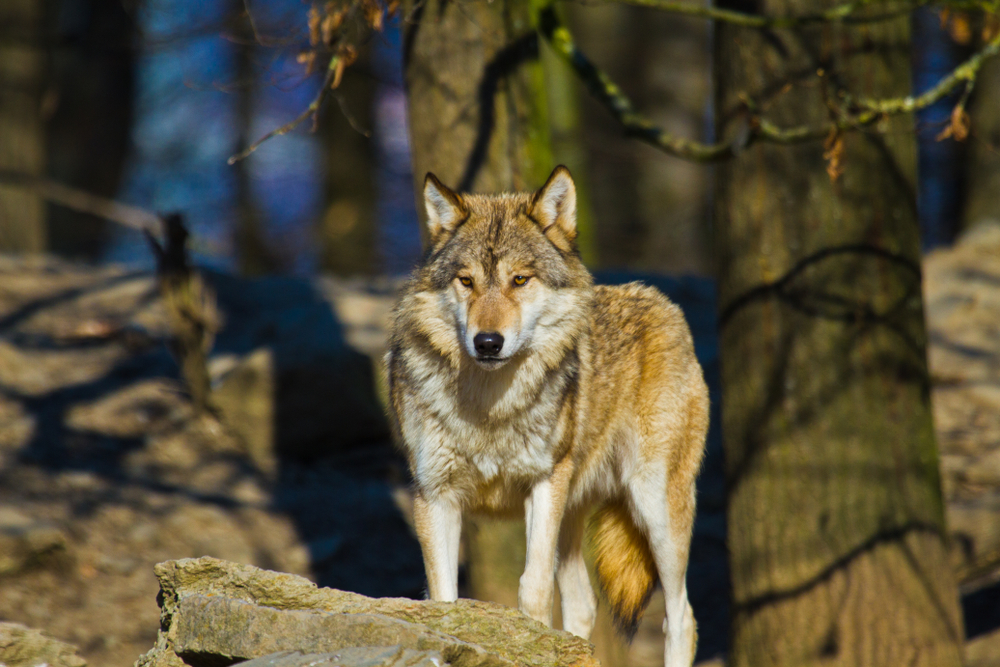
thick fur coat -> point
(516, 385)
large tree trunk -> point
(22, 136)
(476, 92)
(835, 513)
(982, 178)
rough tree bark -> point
(476, 92)
(23, 65)
(835, 511)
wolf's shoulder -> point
(634, 311)
(633, 300)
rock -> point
(213, 611)
(21, 646)
(358, 656)
(233, 630)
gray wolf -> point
(516, 385)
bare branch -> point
(850, 12)
(964, 73)
(82, 201)
(863, 111)
(611, 96)
(311, 110)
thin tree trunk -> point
(347, 229)
(22, 135)
(89, 130)
(835, 519)
(254, 255)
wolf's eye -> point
(465, 281)
(520, 280)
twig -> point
(966, 72)
(850, 12)
(846, 12)
(344, 109)
(253, 24)
(84, 202)
(311, 110)
(191, 307)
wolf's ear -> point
(554, 206)
(445, 208)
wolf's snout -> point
(488, 344)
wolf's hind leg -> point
(439, 527)
(668, 517)
(579, 604)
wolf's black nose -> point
(488, 344)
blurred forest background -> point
(762, 162)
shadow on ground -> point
(105, 469)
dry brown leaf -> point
(348, 54)
(958, 128)
(991, 27)
(374, 14)
(958, 25)
(307, 58)
(331, 24)
(338, 72)
(314, 20)
(944, 15)
(833, 153)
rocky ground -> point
(105, 469)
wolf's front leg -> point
(438, 522)
(543, 515)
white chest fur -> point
(471, 425)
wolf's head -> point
(505, 268)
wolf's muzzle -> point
(488, 344)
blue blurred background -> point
(201, 87)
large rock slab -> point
(209, 628)
(360, 656)
(21, 646)
(216, 612)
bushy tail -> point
(625, 566)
